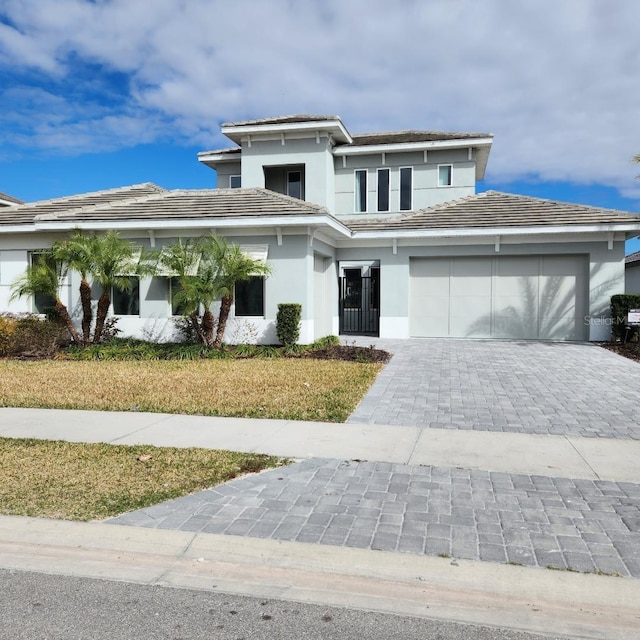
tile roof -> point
(188, 204)
(26, 213)
(233, 151)
(291, 119)
(632, 258)
(8, 198)
(399, 137)
(495, 209)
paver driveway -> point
(528, 387)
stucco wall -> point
(632, 279)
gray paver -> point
(510, 386)
(493, 528)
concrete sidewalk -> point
(416, 583)
(548, 455)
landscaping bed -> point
(629, 350)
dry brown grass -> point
(279, 388)
(88, 481)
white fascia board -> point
(17, 228)
(236, 133)
(198, 223)
(493, 231)
(219, 158)
(412, 146)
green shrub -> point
(288, 323)
(326, 341)
(29, 336)
(620, 305)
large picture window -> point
(383, 189)
(249, 296)
(127, 303)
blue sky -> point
(95, 95)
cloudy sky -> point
(111, 92)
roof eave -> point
(303, 220)
(335, 127)
(496, 231)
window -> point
(406, 188)
(127, 303)
(361, 190)
(249, 297)
(42, 303)
(235, 182)
(294, 184)
(445, 172)
(383, 189)
(176, 308)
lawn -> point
(294, 389)
(95, 481)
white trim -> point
(377, 209)
(366, 191)
(219, 158)
(400, 169)
(446, 164)
(364, 149)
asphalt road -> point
(35, 606)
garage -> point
(539, 297)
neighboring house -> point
(379, 234)
(8, 201)
(632, 273)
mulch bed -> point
(629, 350)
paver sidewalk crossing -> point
(574, 524)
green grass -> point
(74, 481)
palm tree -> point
(44, 277)
(236, 266)
(77, 253)
(207, 270)
(113, 260)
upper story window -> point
(445, 175)
(235, 182)
(294, 184)
(360, 190)
(406, 188)
(383, 189)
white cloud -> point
(556, 82)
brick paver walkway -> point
(581, 525)
(489, 385)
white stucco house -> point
(377, 234)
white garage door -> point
(525, 297)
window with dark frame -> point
(127, 303)
(383, 189)
(406, 188)
(294, 184)
(42, 303)
(235, 182)
(249, 297)
(361, 190)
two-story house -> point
(380, 234)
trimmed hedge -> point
(620, 305)
(288, 323)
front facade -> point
(632, 273)
(379, 234)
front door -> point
(360, 301)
